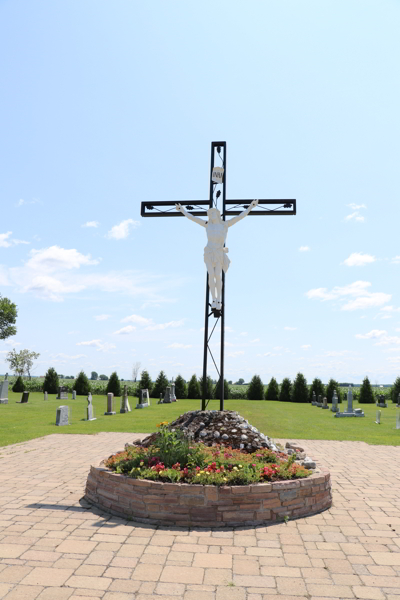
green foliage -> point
(240, 381)
(145, 383)
(51, 382)
(160, 385)
(272, 392)
(82, 385)
(255, 391)
(238, 392)
(285, 394)
(114, 385)
(193, 388)
(330, 388)
(366, 394)
(300, 389)
(21, 362)
(103, 377)
(395, 391)
(180, 388)
(227, 390)
(209, 390)
(18, 385)
(172, 447)
(94, 376)
(8, 316)
(318, 387)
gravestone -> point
(4, 390)
(62, 393)
(24, 398)
(45, 396)
(398, 421)
(319, 403)
(358, 412)
(62, 416)
(160, 400)
(73, 395)
(398, 401)
(314, 399)
(167, 396)
(110, 404)
(90, 413)
(172, 395)
(144, 399)
(381, 401)
(335, 407)
(125, 406)
(325, 402)
(350, 400)
(378, 417)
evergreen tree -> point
(395, 391)
(285, 394)
(330, 388)
(272, 392)
(82, 385)
(318, 387)
(114, 385)
(193, 388)
(366, 393)
(217, 390)
(160, 385)
(18, 385)
(180, 388)
(210, 388)
(51, 382)
(146, 383)
(255, 391)
(300, 389)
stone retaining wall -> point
(208, 506)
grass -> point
(22, 422)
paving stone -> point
(24, 592)
(182, 574)
(47, 577)
(144, 572)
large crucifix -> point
(215, 252)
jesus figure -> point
(215, 253)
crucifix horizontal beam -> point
(167, 208)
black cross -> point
(232, 208)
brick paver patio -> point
(52, 548)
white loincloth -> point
(217, 257)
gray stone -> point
(226, 437)
(217, 434)
(325, 403)
(308, 463)
(319, 402)
(167, 396)
(46, 396)
(90, 413)
(62, 393)
(381, 402)
(24, 398)
(244, 437)
(398, 421)
(378, 417)
(314, 399)
(73, 395)
(4, 391)
(110, 404)
(350, 399)
(173, 397)
(125, 406)
(335, 407)
(62, 416)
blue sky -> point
(104, 105)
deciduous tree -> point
(8, 317)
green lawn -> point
(21, 422)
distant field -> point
(21, 422)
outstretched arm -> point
(242, 215)
(197, 220)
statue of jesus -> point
(215, 253)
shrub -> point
(255, 390)
(300, 389)
(103, 377)
(193, 388)
(180, 388)
(227, 390)
(209, 390)
(82, 385)
(272, 392)
(18, 385)
(160, 385)
(238, 392)
(318, 387)
(114, 385)
(51, 382)
(145, 383)
(395, 391)
(285, 394)
(366, 394)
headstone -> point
(24, 398)
(398, 421)
(4, 391)
(144, 399)
(335, 407)
(319, 403)
(167, 396)
(62, 393)
(172, 396)
(90, 413)
(314, 399)
(325, 402)
(398, 401)
(350, 400)
(160, 400)
(46, 396)
(73, 395)
(110, 403)
(62, 416)
(381, 401)
(125, 406)
(378, 417)
(357, 412)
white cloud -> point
(50, 287)
(91, 224)
(381, 335)
(244, 333)
(358, 289)
(290, 328)
(356, 206)
(356, 216)
(125, 330)
(67, 357)
(6, 241)
(121, 231)
(235, 354)
(357, 259)
(12, 343)
(306, 346)
(170, 324)
(396, 260)
(137, 319)
(98, 344)
(102, 317)
(177, 346)
(254, 341)
(22, 202)
(55, 258)
(304, 249)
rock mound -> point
(212, 427)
